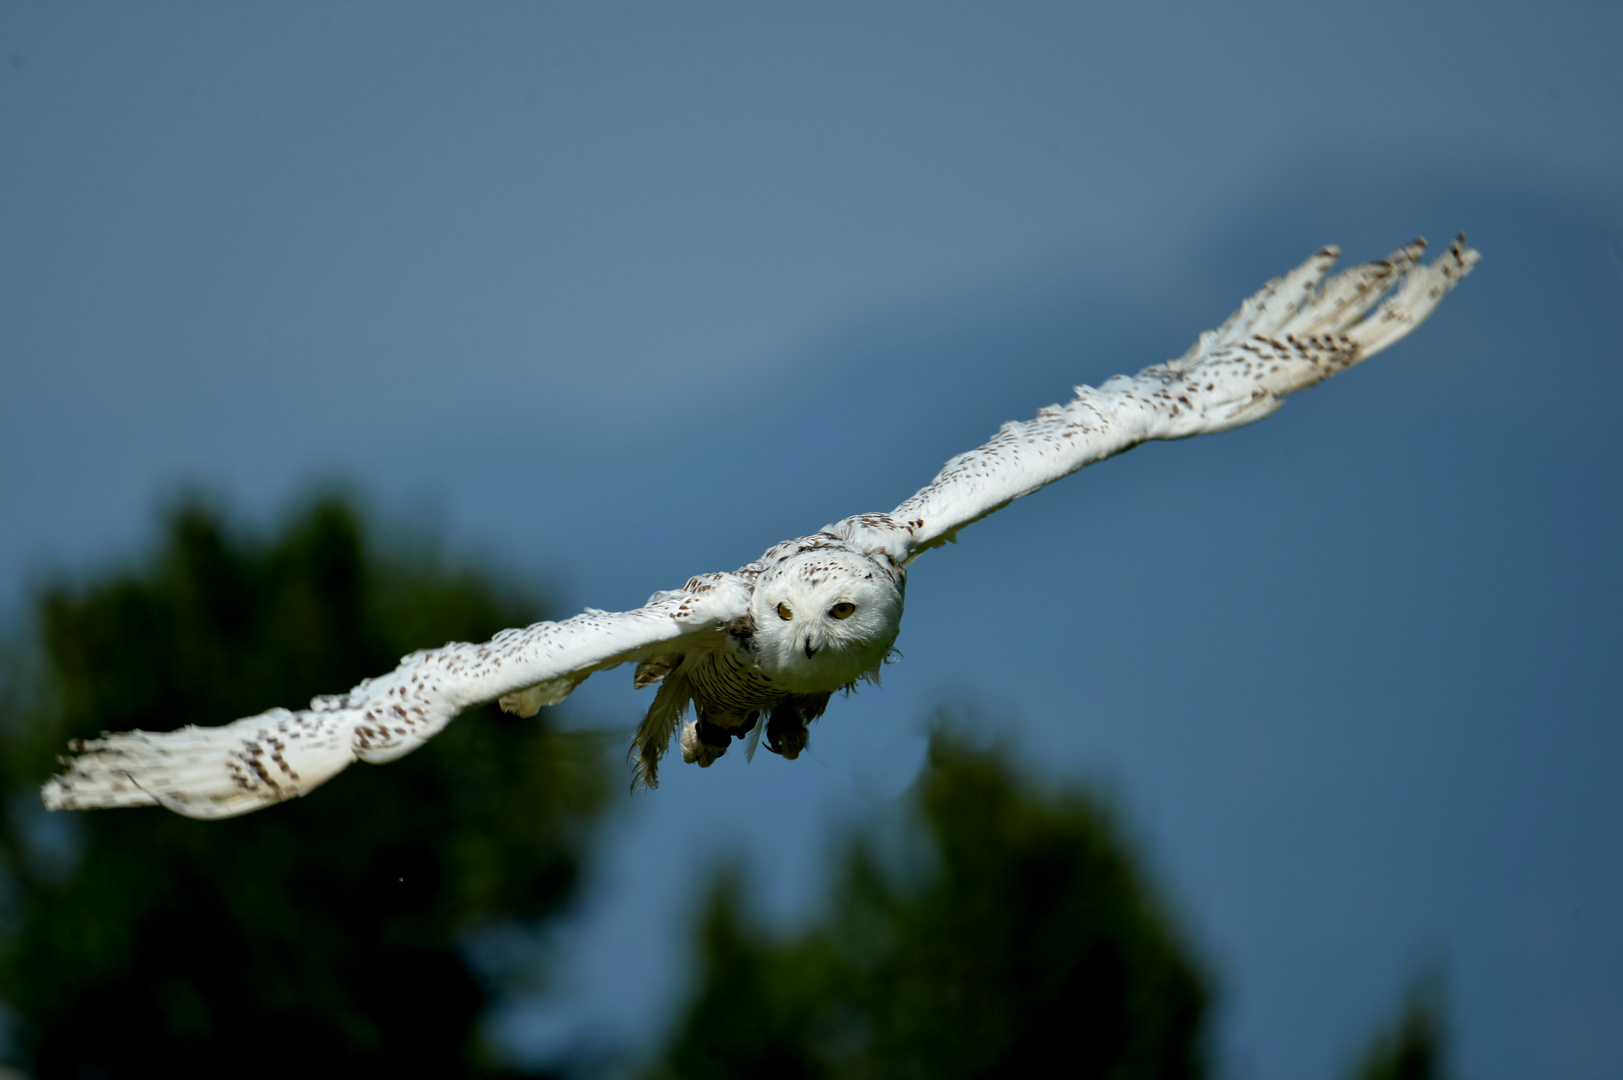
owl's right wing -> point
(1293, 334)
(220, 772)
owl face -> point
(824, 617)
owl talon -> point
(787, 739)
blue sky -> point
(617, 294)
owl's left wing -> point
(1293, 334)
(220, 772)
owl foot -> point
(703, 742)
(786, 734)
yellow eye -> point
(784, 613)
(842, 610)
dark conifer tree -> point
(1034, 948)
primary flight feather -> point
(767, 644)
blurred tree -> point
(321, 934)
(1413, 1047)
(1033, 948)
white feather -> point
(1295, 332)
(1292, 334)
(264, 759)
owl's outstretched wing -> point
(1299, 330)
(223, 771)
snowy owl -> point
(764, 646)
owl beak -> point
(809, 650)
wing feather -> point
(254, 762)
(1297, 331)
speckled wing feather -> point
(1298, 331)
(222, 771)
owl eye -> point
(784, 613)
(842, 610)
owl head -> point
(824, 617)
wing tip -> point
(203, 773)
(1465, 256)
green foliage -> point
(1034, 948)
(325, 930)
